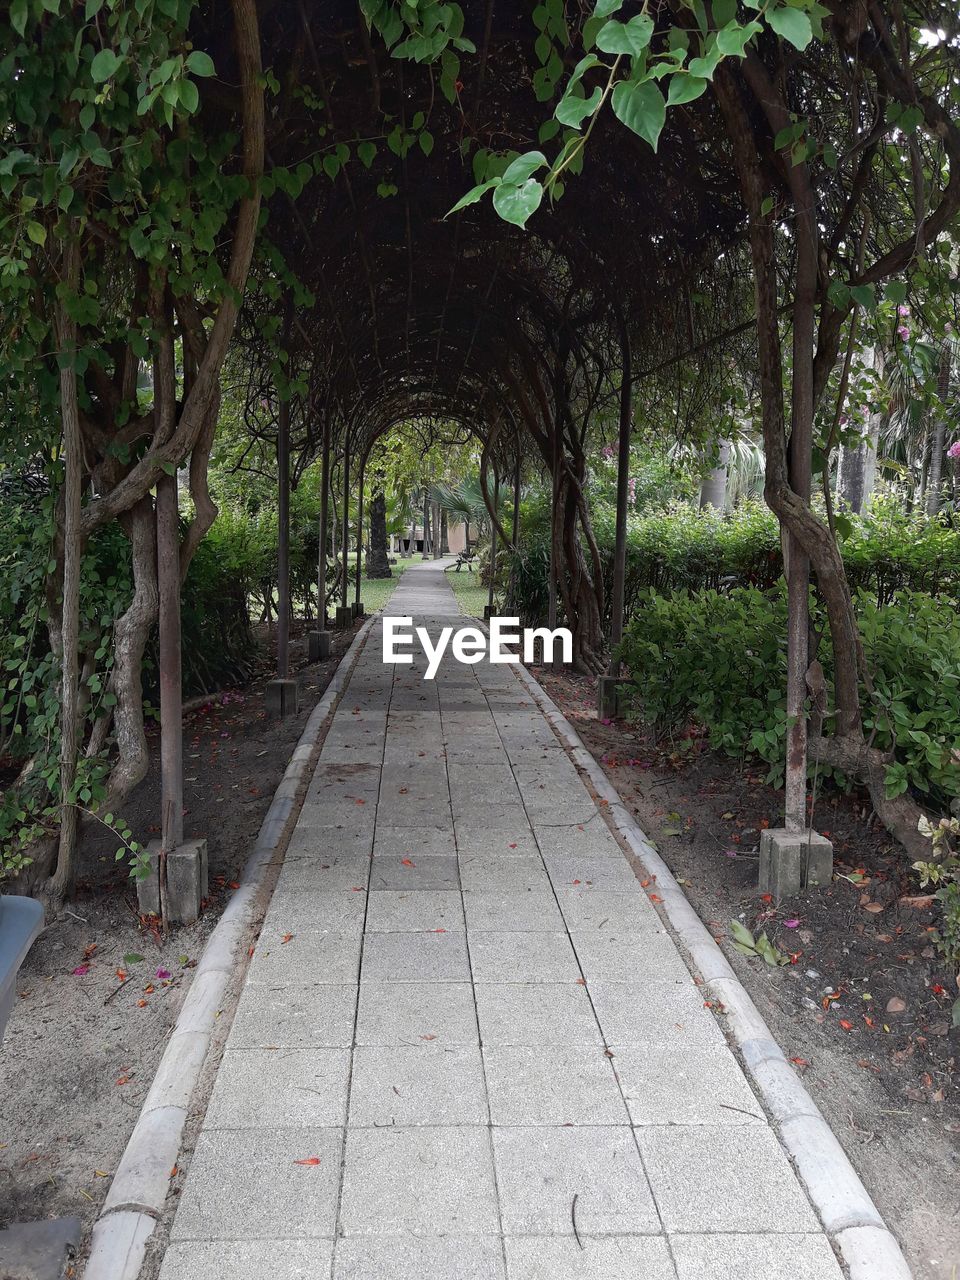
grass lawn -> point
(471, 595)
(375, 592)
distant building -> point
(411, 540)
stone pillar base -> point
(358, 609)
(318, 645)
(489, 611)
(610, 697)
(791, 861)
(344, 616)
(283, 698)
(188, 882)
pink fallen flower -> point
(162, 974)
(81, 969)
(790, 924)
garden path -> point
(468, 1048)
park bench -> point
(463, 558)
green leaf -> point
(573, 111)
(200, 63)
(604, 8)
(642, 108)
(792, 25)
(626, 37)
(18, 15)
(516, 203)
(473, 195)
(189, 95)
(132, 958)
(524, 166)
(740, 933)
(684, 88)
(865, 295)
(104, 65)
(895, 291)
(733, 39)
(37, 232)
(367, 151)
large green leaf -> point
(684, 88)
(104, 65)
(573, 111)
(516, 203)
(792, 25)
(524, 166)
(641, 107)
(626, 37)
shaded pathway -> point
(524, 1083)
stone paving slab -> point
(468, 1048)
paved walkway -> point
(467, 1048)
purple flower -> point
(163, 974)
(954, 450)
(80, 970)
(903, 311)
(903, 332)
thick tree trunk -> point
(378, 562)
(713, 490)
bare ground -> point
(863, 1010)
(100, 990)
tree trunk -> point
(857, 466)
(61, 882)
(713, 490)
(938, 437)
(846, 749)
(283, 542)
(437, 551)
(444, 534)
(623, 496)
(378, 562)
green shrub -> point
(718, 659)
(682, 548)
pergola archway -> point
(346, 135)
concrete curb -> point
(851, 1220)
(138, 1192)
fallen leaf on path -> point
(310, 1161)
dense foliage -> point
(716, 660)
(677, 548)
